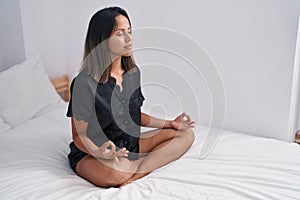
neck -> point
(116, 67)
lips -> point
(127, 46)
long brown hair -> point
(96, 53)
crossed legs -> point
(161, 147)
(158, 148)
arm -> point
(79, 136)
(153, 122)
(81, 140)
(178, 123)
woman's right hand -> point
(104, 152)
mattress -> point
(34, 165)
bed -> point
(35, 134)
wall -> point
(11, 40)
(252, 43)
(43, 30)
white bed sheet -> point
(34, 166)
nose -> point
(127, 37)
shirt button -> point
(125, 142)
(123, 101)
(125, 121)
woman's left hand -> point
(182, 122)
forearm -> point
(80, 139)
(84, 144)
(153, 122)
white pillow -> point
(26, 91)
(3, 125)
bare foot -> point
(135, 177)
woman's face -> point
(120, 42)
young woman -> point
(105, 109)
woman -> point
(108, 149)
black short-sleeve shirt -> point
(111, 114)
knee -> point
(113, 180)
(187, 135)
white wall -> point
(11, 41)
(43, 30)
(252, 43)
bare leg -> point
(168, 145)
(106, 173)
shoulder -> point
(83, 81)
(135, 73)
(134, 70)
(138, 71)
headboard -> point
(294, 125)
(62, 86)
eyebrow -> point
(122, 29)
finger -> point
(188, 118)
(176, 125)
(190, 126)
(113, 146)
(107, 154)
(183, 126)
(182, 115)
(187, 125)
(123, 152)
(111, 154)
(106, 144)
(191, 123)
(112, 151)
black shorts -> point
(75, 156)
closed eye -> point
(121, 31)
